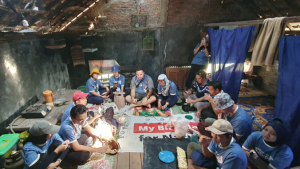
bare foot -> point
(149, 106)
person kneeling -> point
(44, 148)
(223, 146)
(81, 143)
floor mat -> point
(260, 108)
(153, 147)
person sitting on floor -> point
(145, 111)
(117, 83)
(207, 113)
(44, 148)
(238, 117)
(168, 93)
(223, 146)
(97, 92)
(141, 90)
(267, 148)
(200, 87)
(81, 143)
(79, 98)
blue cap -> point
(115, 69)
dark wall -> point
(173, 46)
(27, 69)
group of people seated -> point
(226, 137)
(141, 92)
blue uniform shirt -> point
(200, 58)
(241, 123)
(67, 112)
(70, 131)
(172, 90)
(233, 157)
(31, 153)
(120, 80)
(93, 86)
(278, 157)
(200, 89)
(146, 84)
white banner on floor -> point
(131, 136)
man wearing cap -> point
(117, 82)
(201, 88)
(167, 91)
(81, 143)
(79, 98)
(223, 146)
(141, 90)
(97, 92)
(44, 148)
(238, 117)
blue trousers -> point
(96, 99)
(172, 99)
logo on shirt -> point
(263, 155)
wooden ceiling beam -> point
(272, 7)
(293, 5)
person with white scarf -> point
(168, 93)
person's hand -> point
(198, 113)
(115, 85)
(204, 140)
(208, 98)
(52, 165)
(220, 116)
(144, 101)
(190, 101)
(98, 115)
(192, 167)
(134, 101)
(102, 149)
(190, 131)
(164, 107)
(102, 140)
(61, 147)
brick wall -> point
(118, 15)
(204, 11)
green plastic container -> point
(82, 88)
(7, 141)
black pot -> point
(186, 107)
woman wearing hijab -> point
(44, 148)
(168, 93)
(267, 149)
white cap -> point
(162, 77)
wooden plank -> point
(135, 161)
(142, 159)
(123, 161)
(115, 162)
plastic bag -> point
(121, 119)
(102, 164)
(181, 127)
(171, 122)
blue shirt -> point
(120, 80)
(200, 89)
(146, 84)
(67, 112)
(31, 152)
(241, 123)
(70, 131)
(93, 86)
(200, 58)
(233, 157)
(172, 89)
(278, 157)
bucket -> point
(48, 95)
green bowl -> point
(189, 117)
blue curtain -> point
(228, 53)
(288, 90)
